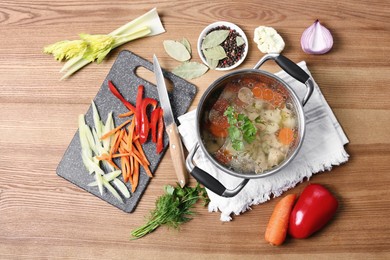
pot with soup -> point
(250, 124)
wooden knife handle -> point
(177, 154)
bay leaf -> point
(212, 63)
(176, 50)
(187, 44)
(190, 70)
(239, 40)
(215, 38)
(215, 53)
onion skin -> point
(316, 39)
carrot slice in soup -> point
(286, 136)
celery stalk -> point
(148, 24)
(150, 19)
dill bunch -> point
(173, 208)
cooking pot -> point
(214, 90)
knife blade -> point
(175, 145)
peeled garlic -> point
(268, 40)
(316, 39)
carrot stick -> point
(124, 173)
(109, 133)
(103, 157)
(131, 165)
(127, 165)
(135, 176)
(276, 231)
(126, 114)
(286, 136)
(148, 171)
(130, 154)
(141, 151)
(113, 142)
(113, 164)
(107, 158)
(130, 136)
(143, 161)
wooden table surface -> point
(43, 216)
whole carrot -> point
(276, 231)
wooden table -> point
(42, 216)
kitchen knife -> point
(175, 145)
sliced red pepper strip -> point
(153, 123)
(160, 132)
(138, 108)
(116, 93)
(144, 122)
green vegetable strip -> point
(96, 120)
(122, 188)
(108, 177)
(112, 190)
(106, 128)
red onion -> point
(316, 39)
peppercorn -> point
(233, 52)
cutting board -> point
(123, 75)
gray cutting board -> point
(123, 75)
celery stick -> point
(122, 188)
(96, 120)
(112, 190)
(99, 180)
(108, 127)
(108, 177)
(90, 138)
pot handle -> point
(209, 181)
(292, 69)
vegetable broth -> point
(249, 124)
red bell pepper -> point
(144, 122)
(314, 208)
(153, 123)
(160, 132)
(116, 93)
(138, 108)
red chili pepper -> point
(144, 122)
(160, 132)
(314, 208)
(153, 123)
(116, 93)
(138, 108)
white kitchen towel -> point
(322, 148)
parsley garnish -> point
(241, 128)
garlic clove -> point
(316, 39)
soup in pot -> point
(250, 125)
